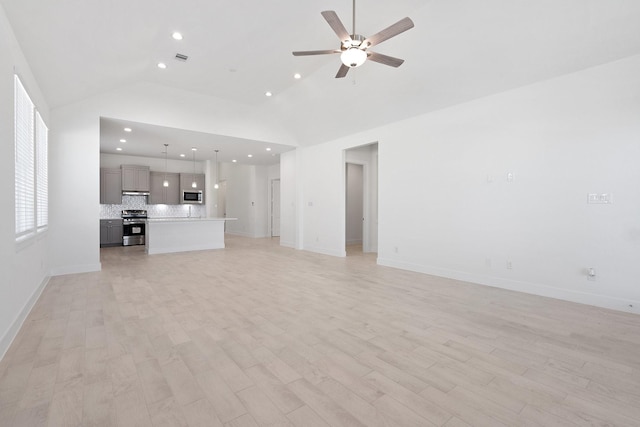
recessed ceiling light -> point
(176, 36)
(268, 94)
(194, 149)
(119, 149)
(268, 149)
(297, 76)
(249, 155)
(234, 160)
(183, 155)
(162, 65)
(123, 140)
(127, 129)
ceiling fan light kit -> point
(354, 47)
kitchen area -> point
(159, 210)
(164, 189)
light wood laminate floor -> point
(257, 334)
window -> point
(31, 171)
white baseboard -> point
(12, 332)
(287, 244)
(326, 251)
(604, 301)
(240, 233)
(75, 269)
(171, 250)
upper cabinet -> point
(110, 186)
(187, 179)
(161, 195)
(135, 178)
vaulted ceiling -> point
(459, 50)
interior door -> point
(275, 208)
(354, 222)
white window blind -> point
(31, 165)
(25, 155)
(42, 174)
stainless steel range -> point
(133, 224)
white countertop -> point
(187, 219)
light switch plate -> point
(599, 198)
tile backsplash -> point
(153, 211)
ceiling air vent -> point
(181, 57)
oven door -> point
(133, 233)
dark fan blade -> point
(384, 59)
(336, 24)
(399, 27)
(342, 72)
(314, 52)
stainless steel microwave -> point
(194, 196)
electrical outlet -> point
(591, 274)
(509, 265)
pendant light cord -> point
(165, 183)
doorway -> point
(361, 199)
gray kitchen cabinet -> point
(135, 178)
(110, 186)
(110, 232)
(186, 179)
(159, 194)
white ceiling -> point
(148, 141)
(459, 50)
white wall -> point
(74, 196)
(24, 268)
(248, 196)
(447, 209)
(156, 164)
(273, 173)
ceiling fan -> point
(354, 47)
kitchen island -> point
(167, 235)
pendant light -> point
(216, 186)
(165, 183)
(194, 184)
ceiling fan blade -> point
(342, 72)
(314, 52)
(384, 59)
(336, 24)
(399, 27)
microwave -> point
(194, 196)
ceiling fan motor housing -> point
(356, 41)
